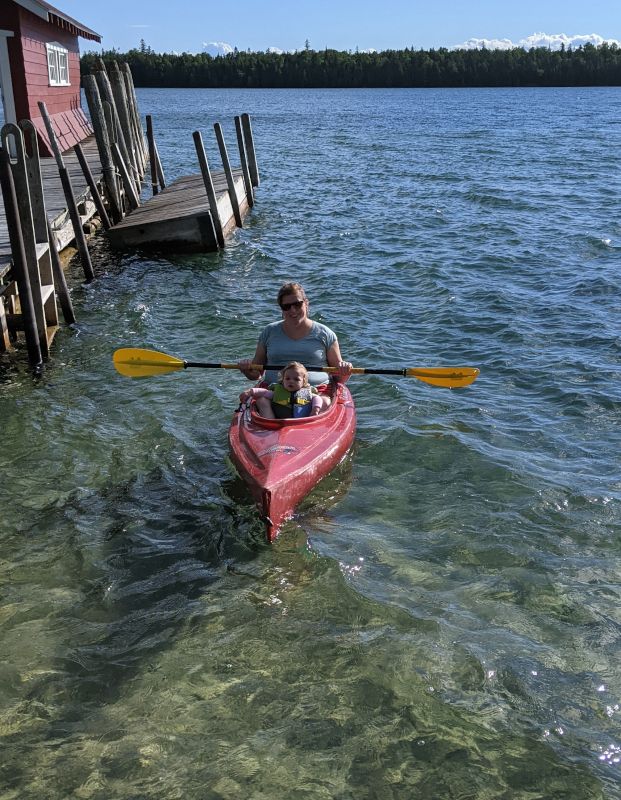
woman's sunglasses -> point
(295, 304)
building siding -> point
(35, 33)
(28, 56)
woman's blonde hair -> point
(294, 365)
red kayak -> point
(281, 460)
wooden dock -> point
(55, 203)
(196, 212)
(45, 204)
(179, 216)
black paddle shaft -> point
(358, 371)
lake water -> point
(442, 619)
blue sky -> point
(190, 25)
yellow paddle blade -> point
(134, 362)
(448, 377)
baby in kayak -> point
(292, 396)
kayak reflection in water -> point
(297, 338)
(292, 396)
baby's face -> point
(293, 380)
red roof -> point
(56, 17)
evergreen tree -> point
(586, 65)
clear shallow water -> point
(442, 618)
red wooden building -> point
(40, 60)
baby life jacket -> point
(291, 404)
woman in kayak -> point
(297, 338)
(292, 396)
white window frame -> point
(57, 64)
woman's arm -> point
(334, 359)
(259, 358)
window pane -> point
(53, 66)
(63, 68)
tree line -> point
(587, 65)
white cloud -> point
(551, 40)
(489, 44)
(555, 40)
(276, 50)
(217, 48)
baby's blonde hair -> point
(294, 365)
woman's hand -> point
(335, 359)
(245, 367)
(344, 369)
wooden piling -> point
(152, 160)
(60, 282)
(72, 208)
(141, 151)
(114, 139)
(98, 119)
(90, 181)
(249, 142)
(226, 164)
(5, 338)
(115, 131)
(35, 182)
(117, 83)
(131, 94)
(211, 194)
(130, 188)
(158, 163)
(244, 161)
(33, 250)
(20, 268)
